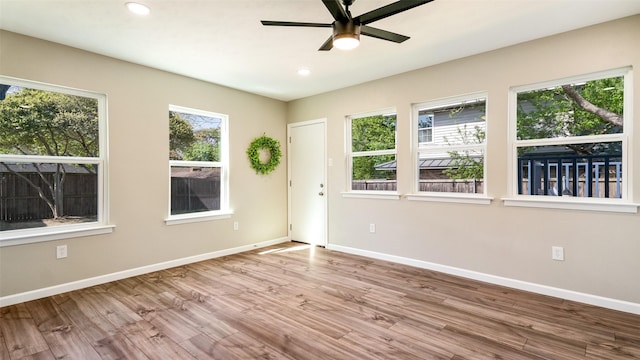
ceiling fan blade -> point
(386, 11)
(336, 10)
(290, 23)
(328, 45)
(382, 34)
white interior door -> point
(307, 182)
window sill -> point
(460, 198)
(28, 236)
(571, 203)
(383, 195)
(198, 217)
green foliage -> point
(185, 143)
(463, 164)
(373, 133)
(180, 136)
(363, 167)
(210, 136)
(201, 151)
(45, 123)
(551, 113)
(264, 143)
(37, 122)
(369, 134)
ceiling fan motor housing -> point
(348, 29)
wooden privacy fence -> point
(374, 185)
(20, 201)
(194, 194)
(436, 185)
(195, 189)
(471, 186)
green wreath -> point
(264, 143)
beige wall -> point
(602, 250)
(138, 99)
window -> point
(198, 159)
(425, 126)
(570, 136)
(52, 161)
(372, 151)
(450, 146)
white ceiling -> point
(223, 42)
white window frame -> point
(623, 204)
(101, 225)
(418, 147)
(225, 212)
(370, 194)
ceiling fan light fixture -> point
(346, 41)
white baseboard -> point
(102, 279)
(590, 299)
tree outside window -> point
(453, 158)
(570, 137)
(50, 158)
(197, 163)
(373, 148)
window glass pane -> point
(452, 158)
(47, 194)
(374, 173)
(194, 137)
(373, 133)
(588, 108)
(195, 189)
(40, 122)
(583, 170)
(459, 124)
(60, 124)
(425, 126)
(460, 171)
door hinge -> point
(289, 139)
(290, 227)
(289, 182)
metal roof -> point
(423, 164)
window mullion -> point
(571, 140)
(49, 159)
(374, 153)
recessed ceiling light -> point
(304, 72)
(138, 9)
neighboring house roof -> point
(424, 164)
(44, 168)
(195, 173)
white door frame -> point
(325, 241)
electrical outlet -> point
(236, 225)
(372, 228)
(61, 251)
(557, 253)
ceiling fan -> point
(347, 29)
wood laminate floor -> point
(294, 302)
